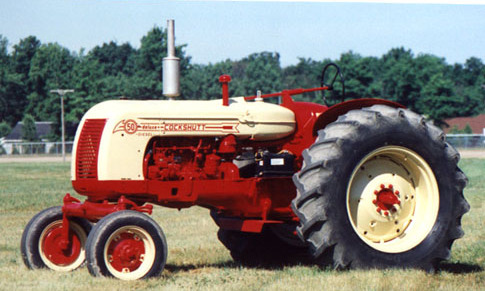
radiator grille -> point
(87, 149)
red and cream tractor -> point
(364, 183)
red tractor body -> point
(182, 171)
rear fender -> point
(336, 110)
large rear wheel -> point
(380, 188)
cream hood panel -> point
(131, 124)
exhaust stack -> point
(171, 65)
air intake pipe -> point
(171, 65)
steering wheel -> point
(330, 85)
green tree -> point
(361, 76)
(23, 52)
(146, 83)
(5, 129)
(89, 83)
(436, 98)
(425, 83)
(206, 78)
(258, 71)
(466, 130)
(473, 69)
(13, 78)
(51, 68)
(4, 74)
(4, 59)
(29, 130)
(399, 77)
(115, 59)
(305, 74)
(469, 86)
(350, 65)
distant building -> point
(43, 130)
(477, 124)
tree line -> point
(424, 83)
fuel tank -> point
(124, 127)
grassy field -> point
(196, 259)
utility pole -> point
(61, 93)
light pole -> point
(61, 93)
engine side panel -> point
(131, 124)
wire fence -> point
(466, 141)
(35, 148)
(463, 141)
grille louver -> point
(87, 149)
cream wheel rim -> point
(57, 256)
(129, 253)
(392, 199)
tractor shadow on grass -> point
(459, 268)
(175, 268)
(453, 268)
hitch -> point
(93, 211)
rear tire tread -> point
(341, 137)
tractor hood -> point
(256, 120)
(127, 127)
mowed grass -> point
(196, 259)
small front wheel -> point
(43, 245)
(127, 245)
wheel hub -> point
(56, 250)
(386, 200)
(126, 252)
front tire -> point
(41, 244)
(380, 188)
(127, 245)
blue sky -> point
(218, 30)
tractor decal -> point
(130, 126)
